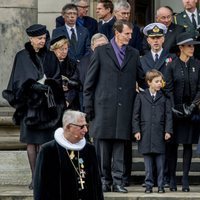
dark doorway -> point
(142, 11)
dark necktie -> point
(194, 21)
(73, 38)
(153, 97)
(156, 58)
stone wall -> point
(15, 17)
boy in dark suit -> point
(152, 126)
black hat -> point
(56, 37)
(36, 30)
(186, 38)
(155, 29)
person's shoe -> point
(30, 186)
(161, 190)
(106, 188)
(125, 184)
(166, 185)
(148, 190)
(119, 188)
(143, 185)
(173, 189)
(185, 189)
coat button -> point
(119, 104)
(120, 88)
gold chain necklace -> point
(71, 156)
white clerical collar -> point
(62, 141)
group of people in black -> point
(69, 72)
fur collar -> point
(32, 53)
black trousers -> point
(187, 157)
(112, 161)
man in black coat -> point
(67, 167)
(164, 16)
(82, 20)
(109, 92)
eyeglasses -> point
(70, 13)
(124, 13)
(80, 126)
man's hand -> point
(138, 136)
(167, 136)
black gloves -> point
(72, 84)
(89, 114)
(177, 113)
(188, 109)
(40, 87)
(183, 111)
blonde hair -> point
(59, 44)
(151, 74)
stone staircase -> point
(15, 173)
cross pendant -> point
(82, 183)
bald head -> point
(164, 16)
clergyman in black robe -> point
(67, 167)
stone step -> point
(14, 169)
(135, 193)
(138, 164)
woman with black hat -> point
(59, 46)
(35, 93)
(183, 87)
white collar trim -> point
(62, 141)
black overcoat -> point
(152, 119)
(28, 68)
(110, 90)
(56, 179)
(185, 130)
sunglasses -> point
(80, 126)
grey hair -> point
(121, 4)
(76, 2)
(71, 116)
(97, 36)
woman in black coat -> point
(59, 46)
(183, 87)
(34, 91)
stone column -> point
(15, 17)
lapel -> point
(148, 96)
(148, 62)
(110, 51)
(79, 37)
(64, 29)
(186, 19)
(161, 60)
(127, 56)
(170, 30)
(198, 16)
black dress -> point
(183, 85)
